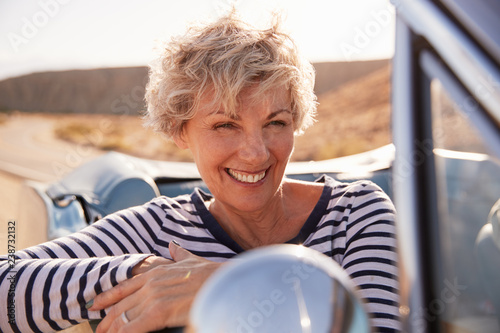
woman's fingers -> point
(178, 253)
(123, 322)
(160, 295)
(129, 286)
(113, 320)
(151, 308)
(149, 263)
(117, 293)
(122, 314)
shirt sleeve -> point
(370, 256)
(47, 286)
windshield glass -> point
(467, 187)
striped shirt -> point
(51, 283)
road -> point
(30, 152)
(29, 149)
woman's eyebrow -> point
(275, 113)
(236, 117)
(222, 113)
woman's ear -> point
(179, 140)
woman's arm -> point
(47, 287)
(50, 294)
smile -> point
(245, 178)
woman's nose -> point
(253, 149)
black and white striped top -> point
(352, 223)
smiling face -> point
(242, 159)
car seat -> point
(487, 252)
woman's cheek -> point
(284, 143)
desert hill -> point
(331, 75)
(352, 118)
(99, 91)
(121, 90)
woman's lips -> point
(246, 177)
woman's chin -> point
(252, 203)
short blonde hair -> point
(224, 58)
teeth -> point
(246, 178)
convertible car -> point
(443, 171)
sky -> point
(43, 35)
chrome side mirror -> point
(280, 288)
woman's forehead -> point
(253, 95)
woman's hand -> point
(159, 296)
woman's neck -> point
(277, 222)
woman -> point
(235, 97)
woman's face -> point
(242, 160)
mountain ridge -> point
(121, 90)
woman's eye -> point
(224, 126)
(278, 123)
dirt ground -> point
(9, 196)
